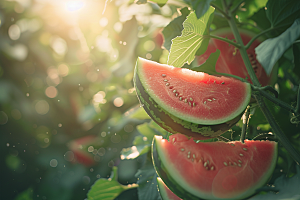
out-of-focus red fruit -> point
(80, 149)
(158, 38)
(230, 60)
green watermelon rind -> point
(186, 117)
(183, 190)
(172, 123)
(162, 189)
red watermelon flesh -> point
(193, 96)
(217, 170)
(165, 192)
(230, 60)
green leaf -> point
(210, 64)
(288, 188)
(200, 6)
(108, 189)
(174, 28)
(281, 12)
(272, 49)
(25, 195)
(296, 52)
(260, 19)
(146, 130)
(249, 8)
(192, 39)
(139, 113)
(147, 182)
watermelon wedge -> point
(189, 102)
(230, 60)
(213, 170)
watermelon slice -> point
(189, 102)
(230, 60)
(165, 192)
(213, 170)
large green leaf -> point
(200, 6)
(210, 64)
(147, 182)
(108, 189)
(174, 28)
(288, 188)
(281, 12)
(272, 49)
(192, 39)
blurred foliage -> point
(68, 108)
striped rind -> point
(175, 182)
(174, 124)
(186, 116)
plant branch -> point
(225, 40)
(262, 33)
(245, 124)
(275, 100)
(237, 6)
(242, 48)
(279, 134)
(220, 10)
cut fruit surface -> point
(213, 170)
(193, 96)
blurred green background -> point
(66, 92)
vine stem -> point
(278, 132)
(226, 40)
(220, 10)
(245, 124)
(262, 33)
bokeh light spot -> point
(3, 118)
(42, 107)
(14, 32)
(63, 69)
(69, 156)
(118, 102)
(53, 163)
(51, 92)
